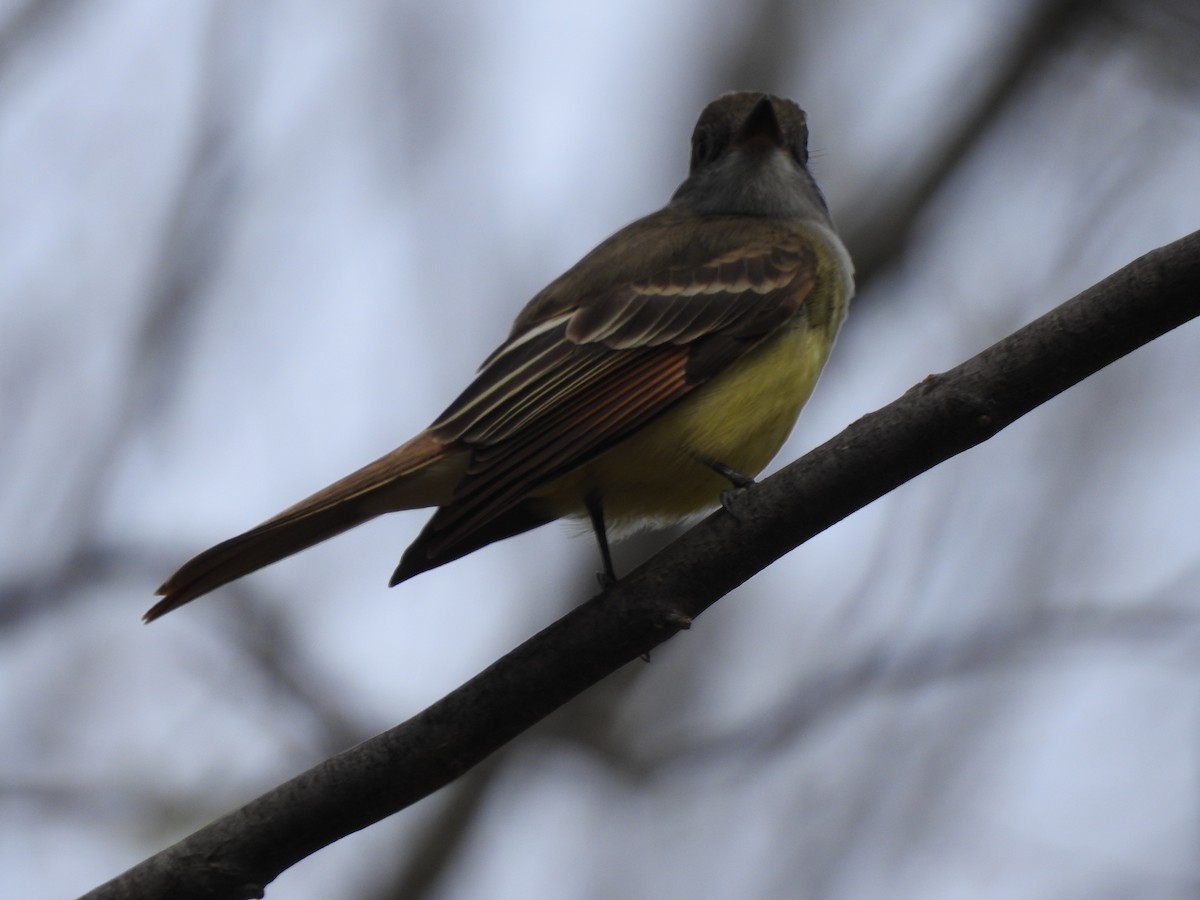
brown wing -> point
(576, 383)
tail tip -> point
(169, 601)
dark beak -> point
(761, 126)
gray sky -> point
(246, 248)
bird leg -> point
(730, 496)
(608, 577)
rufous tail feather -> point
(420, 473)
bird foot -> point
(733, 497)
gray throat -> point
(774, 186)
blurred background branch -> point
(233, 238)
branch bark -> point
(239, 854)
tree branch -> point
(237, 855)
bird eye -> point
(704, 147)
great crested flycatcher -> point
(669, 362)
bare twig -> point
(236, 856)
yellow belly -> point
(740, 419)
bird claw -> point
(731, 497)
(734, 499)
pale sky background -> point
(246, 247)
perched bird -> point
(666, 365)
